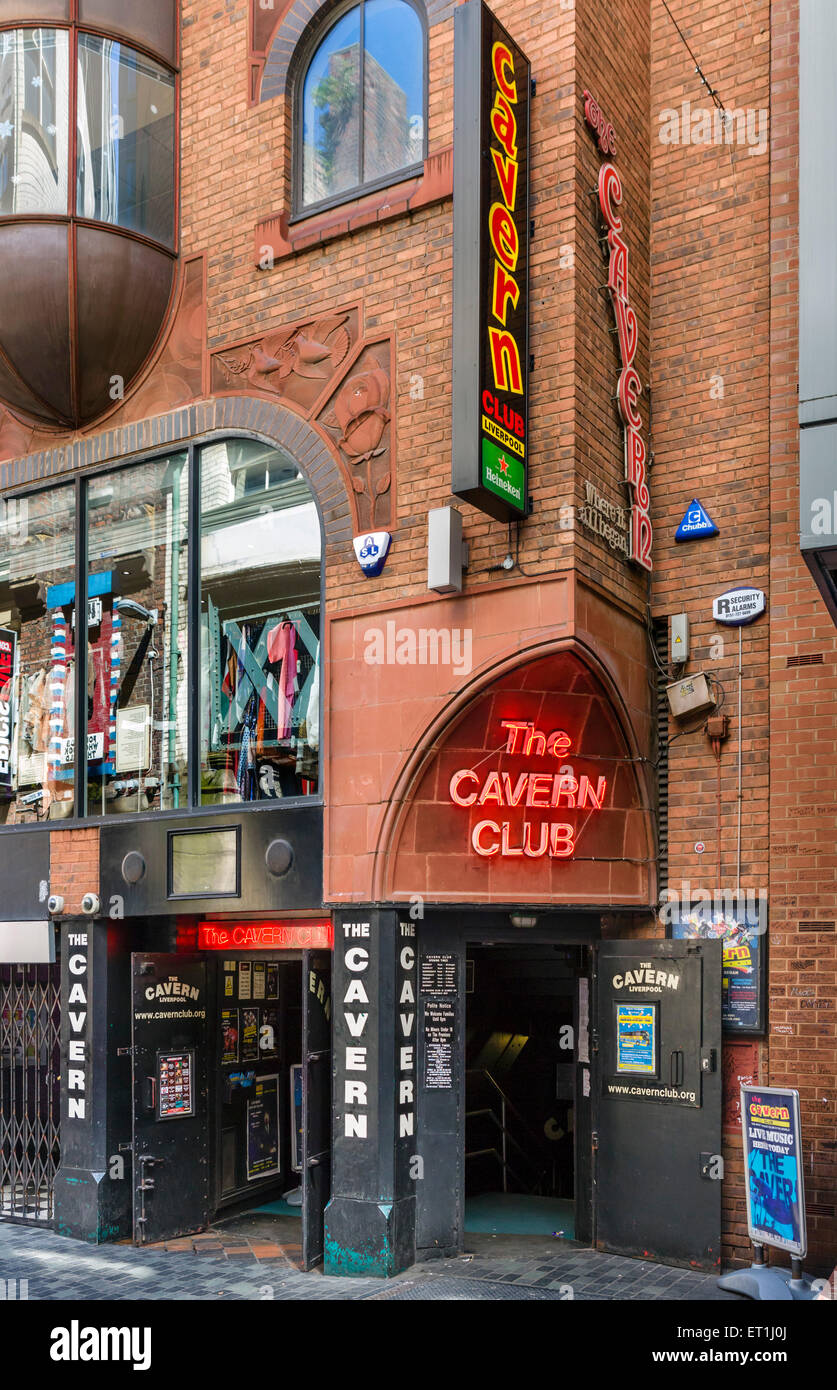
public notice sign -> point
(773, 1167)
(492, 84)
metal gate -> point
(29, 1089)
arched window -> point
(347, 142)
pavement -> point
(258, 1257)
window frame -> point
(307, 50)
(81, 480)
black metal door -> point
(316, 1102)
(170, 1110)
(657, 1100)
(30, 1036)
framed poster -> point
(744, 938)
(269, 1034)
(272, 980)
(263, 1129)
(249, 1035)
(229, 1036)
(296, 1116)
(772, 1136)
(175, 1085)
(636, 1039)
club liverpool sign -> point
(490, 265)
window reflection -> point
(376, 48)
(37, 682)
(34, 120)
(137, 702)
(125, 161)
(260, 626)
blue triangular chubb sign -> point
(697, 524)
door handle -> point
(676, 1067)
(151, 1093)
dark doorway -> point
(520, 1063)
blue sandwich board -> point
(697, 524)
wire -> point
(698, 69)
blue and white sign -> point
(697, 524)
(372, 551)
(737, 607)
(773, 1167)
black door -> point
(170, 1130)
(657, 1100)
(316, 1102)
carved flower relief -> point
(360, 413)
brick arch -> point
(227, 414)
(304, 15)
(625, 850)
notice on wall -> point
(438, 974)
(742, 934)
(439, 1024)
(636, 1038)
(272, 980)
(8, 648)
(175, 1093)
(245, 979)
(263, 1128)
(259, 979)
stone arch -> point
(232, 414)
(430, 748)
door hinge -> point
(124, 1052)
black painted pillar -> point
(93, 1182)
(370, 1220)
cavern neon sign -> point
(629, 385)
(527, 790)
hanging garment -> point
(281, 651)
(312, 713)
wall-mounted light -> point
(519, 919)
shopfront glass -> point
(34, 121)
(137, 649)
(260, 626)
(37, 559)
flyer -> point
(263, 1128)
(636, 1038)
(259, 972)
(272, 979)
(174, 1085)
(245, 979)
(229, 1035)
(249, 1035)
(742, 937)
(269, 1034)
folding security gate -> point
(29, 1089)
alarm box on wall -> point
(690, 696)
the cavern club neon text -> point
(629, 386)
(539, 791)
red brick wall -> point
(74, 866)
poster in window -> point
(8, 647)
(133, 738)
(259, 979)
(229, 1035)
(249, 1035)
(269, 1034)
(636, 1039)
(263, 1128)
(229, 986)
(175, 1092)
(272, 979)
(245, 979)
(742, 934)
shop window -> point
(37, 573)
(125, 160)
(137, 638)
(260, 626)
(34, 121)
(362, 104)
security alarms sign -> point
(491, 265)
(737, 607)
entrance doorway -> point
(520, 1080)
(232, 1091)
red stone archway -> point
(516, 826)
